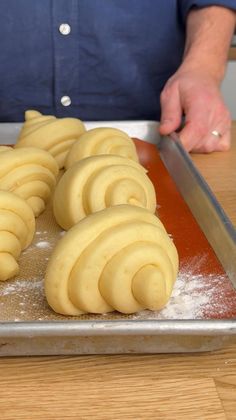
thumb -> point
(171, 111)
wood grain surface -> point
(232, 54)
(219, 170)
(192, 386)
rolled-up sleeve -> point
(186, 5)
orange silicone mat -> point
(202, 290)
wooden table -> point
(191, 386)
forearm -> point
(208, 34)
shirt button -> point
(65, 100)
(64, 29)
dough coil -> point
(120, 258)
(102, 141)
(5, 149)
(30, 173)
(17, 228)
(98, 182)
(56, 135)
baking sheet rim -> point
(132, 327)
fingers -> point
(171, 110)
(214, 144)
(196, 95)
(224, 143)
(197, 136)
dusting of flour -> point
(192, 296)
(22, 286)
(43, 244)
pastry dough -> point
(99, 141)
(17, 227)
(30, 173)
(98, 182)
(5, 149)
(120, 258)
(56, 135)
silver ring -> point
(216, 134)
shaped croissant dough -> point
(99, 141)
(56, 135)
(30, 173)
(17, 227)
(119, 258)
(5, 149)
(98, 182)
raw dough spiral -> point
(120, 258)
(98, 182)
(56, 135)
(5, 149)
(17, 227)
(99, 141)
(30, 173)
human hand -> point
(196, 95)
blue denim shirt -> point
(112, 65)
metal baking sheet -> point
(201, 314)
(212, 219)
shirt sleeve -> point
(186, 5)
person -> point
(119, 60)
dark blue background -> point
(113, 64)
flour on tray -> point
(196, 296)
(191, 297)
(20, 286)
(43, 244)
